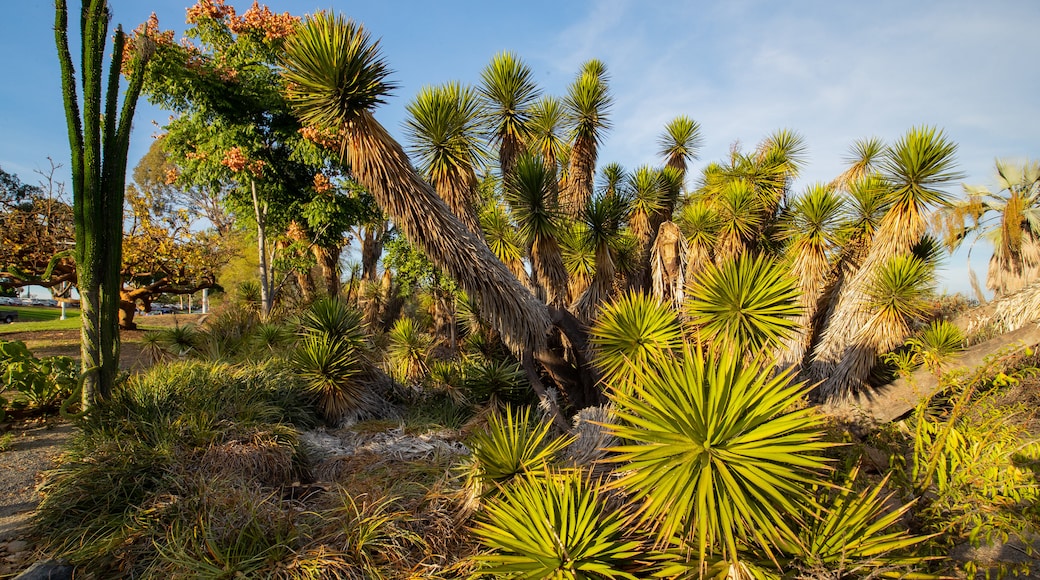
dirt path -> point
(34, 447)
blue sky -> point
(835, 71)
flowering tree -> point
(234, 132)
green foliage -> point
(408, 351)
(852, 531)
(556, 525)
(976, 470)
(34, 384)
(120, 485)
(513, 444)
(715, 453)
(937, 344)
(497, 381)
(747, 304)
(330, 357)
(631, 333)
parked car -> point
(8, 316)
(10, 301)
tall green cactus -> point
(99, 138)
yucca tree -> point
(631, 333)
(700, 224)
(1009, 219)
(99, 138)
(504, 240)
(740, 220)
(680, 143)
(715, 453)
(602, 218)
(862, 160)
(897, 298)
(588, 102)
(336, 76)
(916, 168)
(745, 305)
(444, 129)
(616, 181)
(549, 128)
(647, 195)
(865, 205)
(509, 92)
(529, 193)
(811, 235)
(668, 265)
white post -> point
(205, 300)
(62, 310)
(189, 303)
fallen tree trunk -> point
(892, 401)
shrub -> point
(37, 384)
(512, 444)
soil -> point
(34, 447)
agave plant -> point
(556, 526)
(514, 443)
(631, 333)
(716, 454)
(747, 304)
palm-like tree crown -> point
(443, 129)
(680, 142)
(863, 158)
(335, 72)
(588, 102)
(509, 91)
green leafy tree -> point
(235, 134)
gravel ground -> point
(35, 447)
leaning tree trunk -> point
(261, 247)
(379, 163)
(99, 139)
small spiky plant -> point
(513, 444)
(716, 455)
(746, 305)
(330, 357)
(556, 525)
(630, 333)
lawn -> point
(40, 318)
